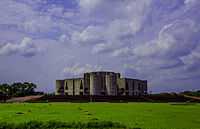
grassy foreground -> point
(134, 115)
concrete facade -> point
(101, 83)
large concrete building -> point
(101, 83)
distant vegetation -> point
(189, 93)
(63, 125)
(16, 90)
(192, 93)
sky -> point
(153, 40)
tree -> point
(16, 87)
(28, 88)
(16, 90)
(4, 91)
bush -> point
(59, 124)
(39, 102)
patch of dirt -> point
(192, 97)
(23, 99)
(88, 114)
(94, 119)
(19, 113)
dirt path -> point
(192, 97)
(23, 99)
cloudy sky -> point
(45, 40)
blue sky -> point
(45, 40)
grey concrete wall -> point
(133, 89)
(69, 83)
(91, 84)
(59, 87)
(74, 86)
(100, 83)
(86, 83)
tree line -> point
(192, 93)
(189, 93)
(16, 90)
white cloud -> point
(25, 48)
(113, 9)
(90, 35)
(55, 11)
(65, 57)
(124, 20)
(129, 71)
(159, 37)
(190, 1)
(14, 12)
(116, 35)
(192, 60)
(172, 41)
(101, 47)
(119, 52)
(41, 24)
(192, 5)
(68, 14)
(63, 38)
(78, 70)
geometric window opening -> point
(127, 86)
(66, 86)
(81, 86)
(133, 86)
(139, 86)
(61, 89)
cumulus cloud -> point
(124, 20)
(173, 55)
(14, 12)
(129, 70)
(156, 36)
(101, 47)
(113, 9)
(55, 11)
(90, 35)
(159, 39)
(63, 38)
(105, 39)
(172, 41)
(192, 60)
(25, 48)
(120, 51)
(77, 69)
(190, 3)
(65, 57)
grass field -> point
(141, 115)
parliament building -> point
(101, 83)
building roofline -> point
(100, 72)
(133, 79)
(74, 78)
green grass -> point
(135, 115)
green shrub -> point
(59, 124)
(184, 104)
(39, 102)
